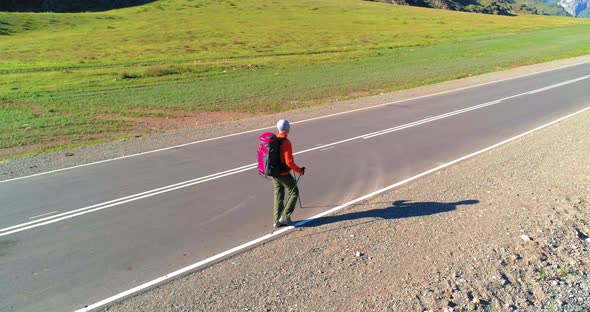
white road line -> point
(129, 197)
(101, 207)
(558, 85)
(41, 215)
(119, 201)
(386, 131)
(210, 260)
(295, 122)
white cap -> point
(283, 125)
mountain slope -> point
(574, 7)
(496, 7)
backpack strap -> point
(283, 167)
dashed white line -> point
(558, 85)
(41, 215)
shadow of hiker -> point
(398, 210)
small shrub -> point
(126, 75)
(155, 70)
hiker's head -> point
(283, 125)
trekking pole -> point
(297, 185)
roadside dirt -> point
(504, 231)
(141, 123)
(157, 120)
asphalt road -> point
(74, 237)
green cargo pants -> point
(280, 184)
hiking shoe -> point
(286, 221)
(277, 225)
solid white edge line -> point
(119, 201)
(244, 246)
(301, 121)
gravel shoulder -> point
(504, 231)
(63, 159)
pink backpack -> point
(269, 158)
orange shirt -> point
(287, 155)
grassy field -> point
(81, 78)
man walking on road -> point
(285, 181)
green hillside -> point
(67, 5)
(78, 78)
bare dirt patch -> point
(60, 141)
(35, 108)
